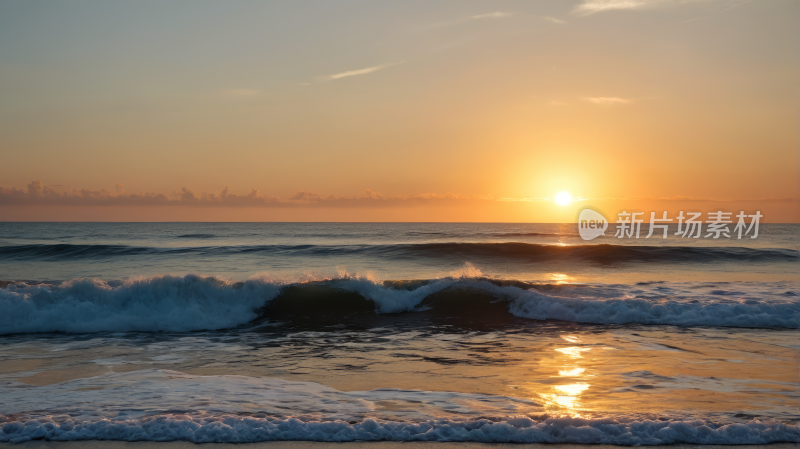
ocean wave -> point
(236, 428)
(157, 303)
(188, 303)
(600, 253)
(603, 253)
(534, 234)
(67, 251)
(247, 409)
(747, 309)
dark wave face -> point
(603, 253)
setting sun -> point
(563, 198)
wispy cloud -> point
(594, 6)
(607, 100)
(491, 15)
(554, 20)
(362, 71)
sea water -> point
(239, 332)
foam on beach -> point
(159, 405)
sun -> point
(563, 198)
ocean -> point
(245, 332)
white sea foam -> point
(155, 405)
(701, 309)
(757, 306)
(390, 300)
(240, 429)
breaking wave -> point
(191, 302)
(158, 303)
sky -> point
(192, 110)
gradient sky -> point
(131, 110)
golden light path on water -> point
(561, 278)
(575, 372)
(566, 398)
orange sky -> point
(445, 111)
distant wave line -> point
(602, 253)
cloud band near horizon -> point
(38, 194)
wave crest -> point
(157, 303)
(189, 303)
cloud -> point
(607, 100)
(35, 188)
(38, 194)
(372, 195)
(554, 20)
(491, 15)
(594, 6)
(305, 196)
(362, 71)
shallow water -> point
(440, 332)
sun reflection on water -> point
(575, 372)
(573, 351)
(561, 278)
(566, 398)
